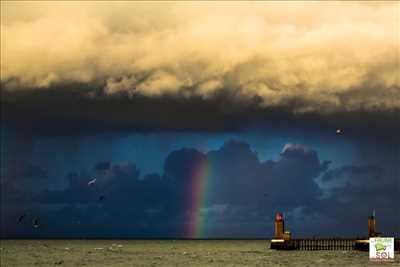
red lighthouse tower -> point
(279, 226)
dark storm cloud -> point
(103, 166)
(357, 190)
(243, 193)
(16, 163)
(120, 203)
(67, 112)
(365, 183)
(31, 172)
(243, 190)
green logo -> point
(380, 247)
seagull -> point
(92, 181)
(339, 131)
(20, 218)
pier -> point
(314, 244)
(284, 241)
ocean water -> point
(170, 253)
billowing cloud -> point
(357, 190)
(325, 57)
(240, 199)
(242, 192)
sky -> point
(199, 119)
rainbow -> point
(198, 195)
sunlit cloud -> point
(329, 56)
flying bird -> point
(20, 218)
(339, 131)
(92, 181)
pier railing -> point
(316, 244)
(323, 244)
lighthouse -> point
(371, 225)
(279, 226)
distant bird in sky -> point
(20, 218)
(339, 131)
(92, 181)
